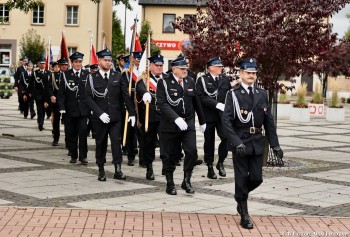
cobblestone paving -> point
(314, 182)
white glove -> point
(203, 127)
(105, 118)
(220, 106)
(132, 119)
(147, 98)
(62, 111)
(181, 123)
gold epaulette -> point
(125, 70)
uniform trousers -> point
(28, 105)
(248, 174)
(172, 142)
(148, 141)
(40, 111)
(56, 117)
(209, 142)
(101, 139)
(76, 128)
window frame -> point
(72, 49)
(4, 9)
(172, 19)
(72, 15)
(38, 16)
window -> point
(168, 20)
(72, 50)
(38, 15)
(72, 15)
(4, 14)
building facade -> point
(160, 14)
(78, 19)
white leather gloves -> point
(203, 127)
(105, 118)
(147, 98)
(133, 120)
(62, 111)
(220, 106)
(181, 123)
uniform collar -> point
(102, 73)
(245, 86)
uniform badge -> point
(190, 89)
(245, 112)
(172, 82)
(175, 94)
(242, 91)
(241, 111)
(265, 110)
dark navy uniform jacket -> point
(222, 85)
(38, 84)
(73, 102)
(111, 102)
(170, 112)
(236, 131)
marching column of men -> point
(240, 116)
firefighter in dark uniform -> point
(211, 89)
(72, 103)
(247, 114)
(23, 88)
(104, 91)
(122, 60)
(149, 138)
(53, 86)
(177, 100)
(131, 137)
(17, 77)
(37, 90)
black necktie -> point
(251, 92)
(106, 76)
(77, 74)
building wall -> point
(154, 14)
(54, 24)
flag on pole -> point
(137, 43)
(63, 48)
(93, 56)
(48, 56)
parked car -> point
(6, 82)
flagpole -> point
(131, 69)
(90, 49)
(148, 50)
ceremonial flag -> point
(63, 49)
(93, 56)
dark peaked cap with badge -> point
(62, 61)
(180, 63)
(42, 60)
(105, 53)
(157, 59)
(215, 62)
(76, 56)
(137, 55)
(248, 65)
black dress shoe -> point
(149, 172)
(83, 161)
(32, 115)
(101, 173)
(55, 143)
(73, 160)
(118, 172)
(199, 162)
(25, 116)
(130, 163)
(69, 153)
(220, 167)
(41, 127)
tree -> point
(145, 28)
(347, 34)
(333, 62)
(117, 37)
(281, 34)
(32, 45)
(27, 5)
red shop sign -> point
(167, 44)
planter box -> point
(283, 110)
(335, 114)
(300, 115)
(316, 109)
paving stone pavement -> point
(42, 194)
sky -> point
(339, 20)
